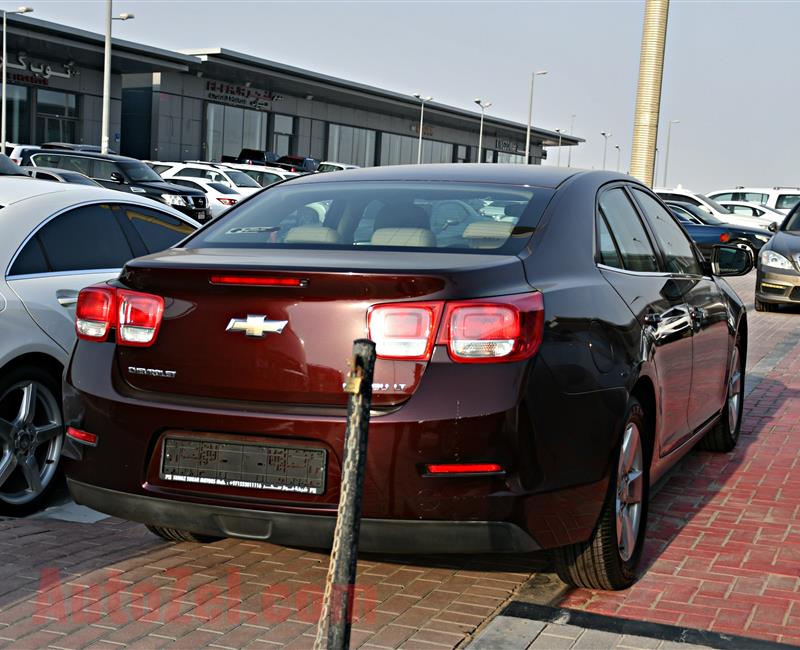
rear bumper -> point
(314, 531)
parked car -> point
(330, 166)
(522, 398)
(223, 174)
(262, 175)
(709, 206)
(21, 152)
(297, 164)
(220, 197)
(92, 148)
(747, 209)
(255, 157)
(781, 199)
(57, 239)
(707, 231)
(60, 175)
(778, 270)
(123, 174)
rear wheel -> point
(31, 437)
(175, 535)
(609, 559)
(765, 306)
(725, 434)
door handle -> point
(66, 298)
(652, 319)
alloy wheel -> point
(30, 441)
(735, 387)
(630, 491)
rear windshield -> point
(240, 179)
(138, 172)
(787, 201)
(463, 217)
(223, 189)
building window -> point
(513, 158)
(56, 116)
(402, 150)
(18, 114)
(351, 146)
(230, 129)
(283, 135)
(462, 153)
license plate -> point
(244, 465)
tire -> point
(765, 306)
(725, 433)
(175, 535)
(31, 438)
(604, 562)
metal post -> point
(619, 150)
(530, 118)
(106, 81)
(666, 153)
(3, 119)
(606, 135)
(333, 630)
(480, 136)
(558, 157)
(421, 122)
(569, 151)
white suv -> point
(233, 178)
(781, 199)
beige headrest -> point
(403, 237)
(311, 235)
(488, 230)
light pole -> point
(107, 74)
(484, 105)
(422, 101)
(655, 164)
(666, 153)
(606, 135)
(569, 151)
(558, 157)
(538, 73)
(19, 10)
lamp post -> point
(569, 151)
(107, 74)
(484, 105)
(422, 101)
(606, 135)
(666, 153)
(538, 73)
(619, 150)
(655, 164)
(19, 10)
(558, 157)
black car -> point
(706, 230)
(124, 174)
(299, 164)
(254, 157)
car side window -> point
(186, 183)
(102, 170)
(77, 164)
(628, 231)
(30, 260)
(44, 176)
(607, 248)
(84, 239)
(677, 248)
(158, 231)
(192, 171)
(46, 160)
(723, 197)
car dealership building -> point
(203, 104)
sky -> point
(730, 71)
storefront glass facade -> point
(352, 146)
(230, 129)
(402, 150)
(283, 135)
(56, 116)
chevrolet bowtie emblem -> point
(256, 326)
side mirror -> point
(773, 227)
(728, 261)
(117, 177)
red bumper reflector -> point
(82, 436)
(257, 281)
(465, 468)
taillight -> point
(450, 469)
(405, 330)
(95, 313)
(225, 201)
(499, 329)
(258, 281)
(139, 317)
(136, 316)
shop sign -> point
(35, 71)
(427, 131)
(244, 96)
(507, 145)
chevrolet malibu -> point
(536, 373)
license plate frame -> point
(243, 465)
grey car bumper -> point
(773, 286)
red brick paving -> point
(723, 549)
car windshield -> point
(706, 218)
(792, 223)
(139, 172)
(716, 206)
(240, 179)
(223, 189)
(453, 217)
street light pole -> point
(107, 74)
(538, 73)
(666, 153)
(619, 150)
(20, 10)
(569, 151)
(558, 157)
(484, 105)
(606, 135)
(422, 101)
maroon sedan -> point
(550, 342)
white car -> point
(330, 166)
(781, 199)
(747, 209)
(233, 178)
(682, 195)
(220, 196)
(57, 239)
(262, 175)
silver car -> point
(55, 239)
